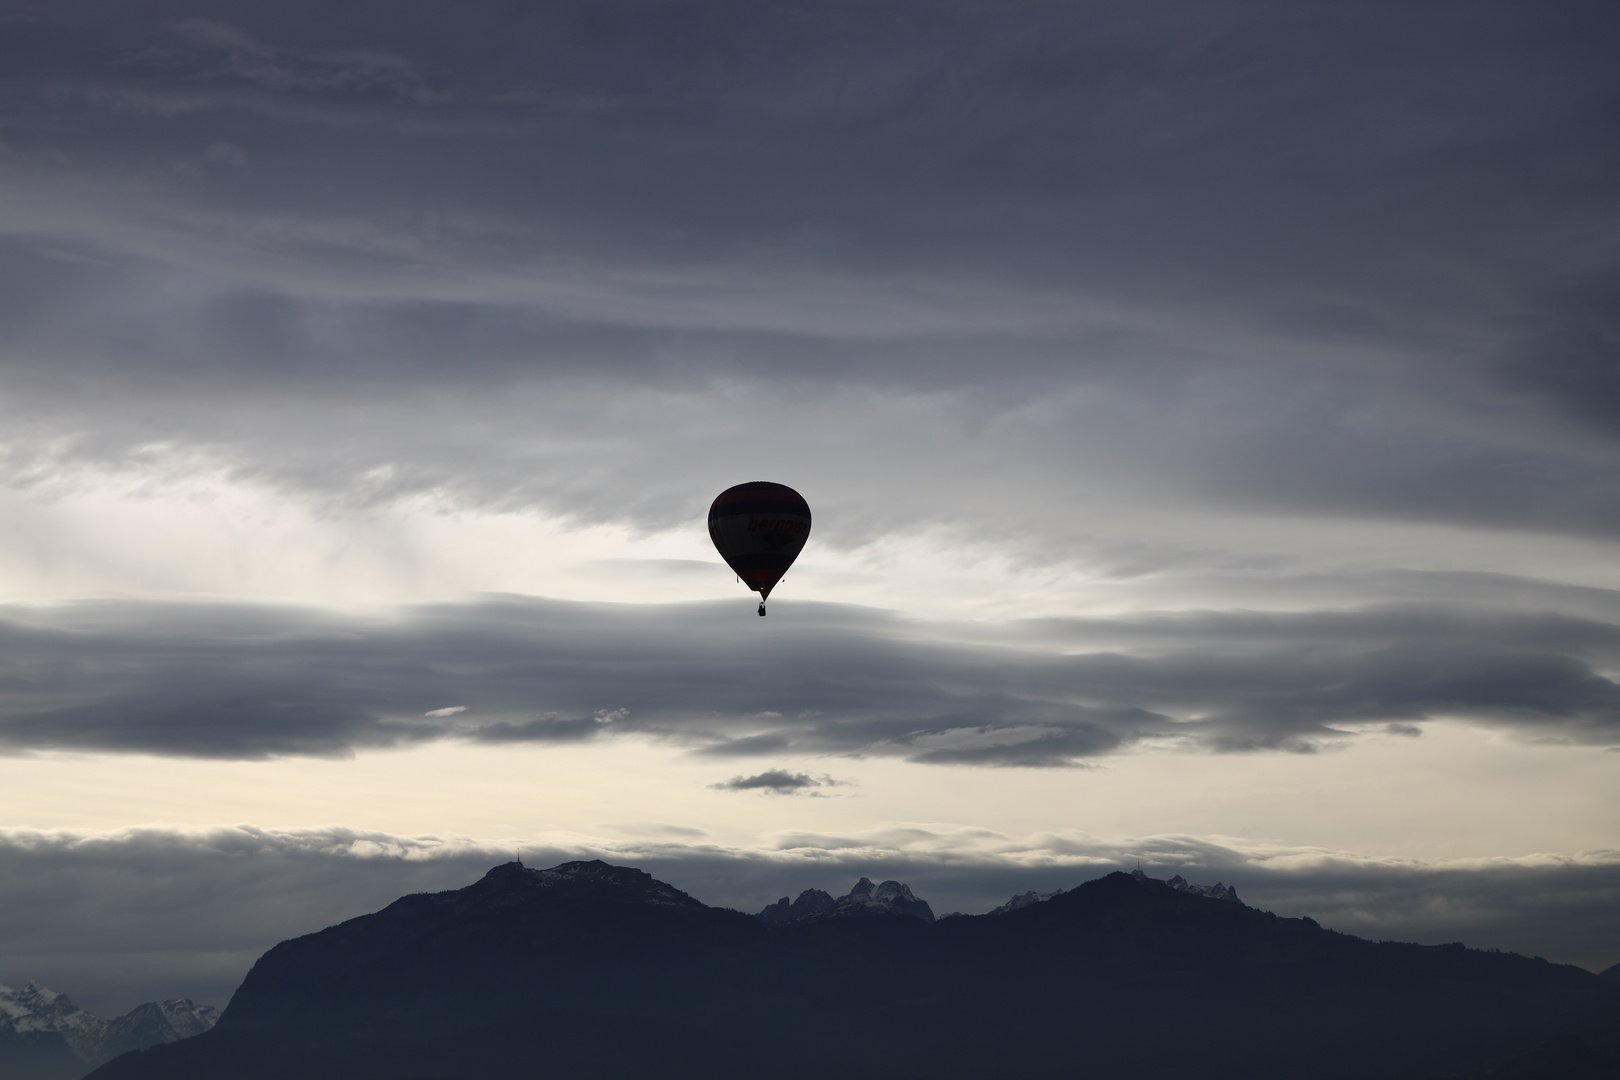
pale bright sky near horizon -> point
(1211, 417)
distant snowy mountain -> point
(1023, 900)
(36, 1009)
(1216, 891)
(44, 1034)
(154, 1023)
(814, 905)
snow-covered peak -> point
(1217, 891)
(1024, 900)
(893, 890)
(889, 898)
(36, 1008)
(92, 1038)
(187, 1018)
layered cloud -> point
(1014, 272)
(211, 680)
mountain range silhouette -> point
(587, 968)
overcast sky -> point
(1210, 413)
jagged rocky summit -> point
(889, 898)
(1217, 891)
(44, 1034)
(587, 968)
(895, 898)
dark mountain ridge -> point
(591, 967)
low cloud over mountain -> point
(127, 916)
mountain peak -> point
(811, 902)
(38, 1013)
(1217, 891)
(511, 882)
(451, 986)
(1024, 900)
(865, 898)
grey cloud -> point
(255, 61)
(776, 781)
(659, 830)
(549, 728)
(1057, 123)
(1247, 260)
(746, 746)
(1493, 904)
(1083, 123)
(114, 919)
(1569, 352)
(1024, 737)
(243, 682)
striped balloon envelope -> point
(759, 529)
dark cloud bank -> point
(1353, 261)
(230, 681)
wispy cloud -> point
(245, 682)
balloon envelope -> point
(759, 529)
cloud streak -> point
(246, 682)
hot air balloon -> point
(759, 529)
